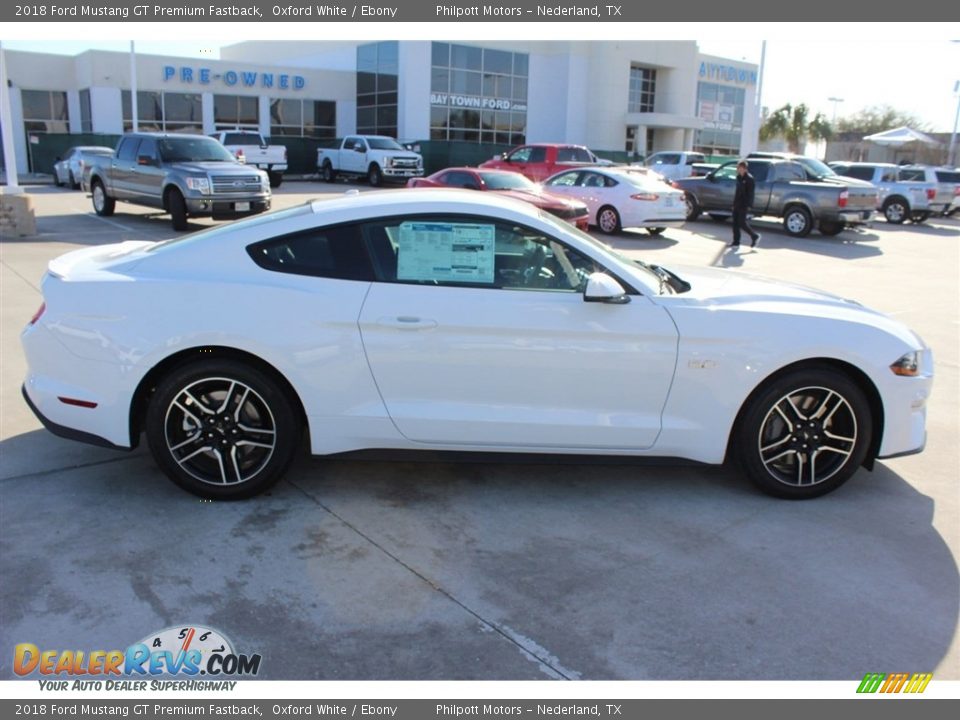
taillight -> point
(956, 191)
(844, 196)
(239, 154)
(931, 193)
(645, 196)
(38, 313)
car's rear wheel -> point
(895, 211)
(608, 220)
(103, 204)
(693, 207)
(178, 210)
(221, 429)
(804, 433)
(797, 221)
(276, 179)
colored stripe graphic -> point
(894, 682)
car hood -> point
(848, 182)
(216, 167)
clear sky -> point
(915, 74)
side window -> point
(666, 159)
(336, 252)
(128, 149)
(349, 144)
(567, 179)
(460, 179)
(790, 171)
(889, 175)
(474, 252)
(913, 175)
(609, 182)
(726, 172)
(761, 171)
(592, 180)
(693, 158)
(538, 155)
(572, 153)
(148, 147)
(520, 155)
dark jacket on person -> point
(743, 197)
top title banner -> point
(424, 11)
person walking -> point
(742, 202)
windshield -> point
(507, 181)
(193, 149)
(815, 167)
(381, 143)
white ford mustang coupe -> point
(443, 320)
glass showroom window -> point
(45, 111)
(478, 94)
(303, 118)
(721, 109)
(643, 89)
(163, 112)
(86, 120)
(378, 68)
(236, 112)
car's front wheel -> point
(221, 429)
(804, 433)
(374, 176)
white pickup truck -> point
(252, 149)
(376, 157)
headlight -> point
(200, 184)
(388, 162)
(908, 365)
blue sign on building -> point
(234, 78)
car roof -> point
(404, 200)
(168, 135)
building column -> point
(640, 141)
(206, 106)
(106, 110)
(264, 114)
(74, 122)
(688, 139)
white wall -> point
(106, 110)
(413, 111)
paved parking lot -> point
(543, 569)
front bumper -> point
(398, 173)
(221, 208)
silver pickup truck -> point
(185, 175)
(782, 190)
(902, 196)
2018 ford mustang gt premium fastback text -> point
(451, 320)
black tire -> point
(797, 221)
(655, 231)
(825, 409)
(103, 204)
(328, 173)
(718, 217)
(276, 179)
(608, 220)
(831, 228)
(177, 207)
(56, 178)
(73, 182)
(374, 176)
(693, 207)
(920, 217)
(896, 210)
(231, 469)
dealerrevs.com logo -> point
(894, 683)
(186, 651)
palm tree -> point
(790, 122)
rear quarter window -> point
(337, 252)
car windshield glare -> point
(817, 167)
(384, 144)
(507, 181)
(193, 150)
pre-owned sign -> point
(231, 78)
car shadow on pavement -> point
(628, 240)
(550, 567)
(846, 246)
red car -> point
(509, 184)
(541, 160)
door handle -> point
(407, 322)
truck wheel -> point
(328, 173)
(103, 204)
(374, 175)
(178, 210)
(831, 228)
(275, 179)
(693, 207)
(895, 210)
(797, 221)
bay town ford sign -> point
(231, 78)
(470, 101)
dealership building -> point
(628, 98)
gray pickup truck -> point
(782, 190)
(185, 175)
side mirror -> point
(712, 176)
(359, 149)
(603, 288)
(145, 160)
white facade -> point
(577, 92)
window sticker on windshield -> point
(446, 252)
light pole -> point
(951, 157)
(835, 101)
